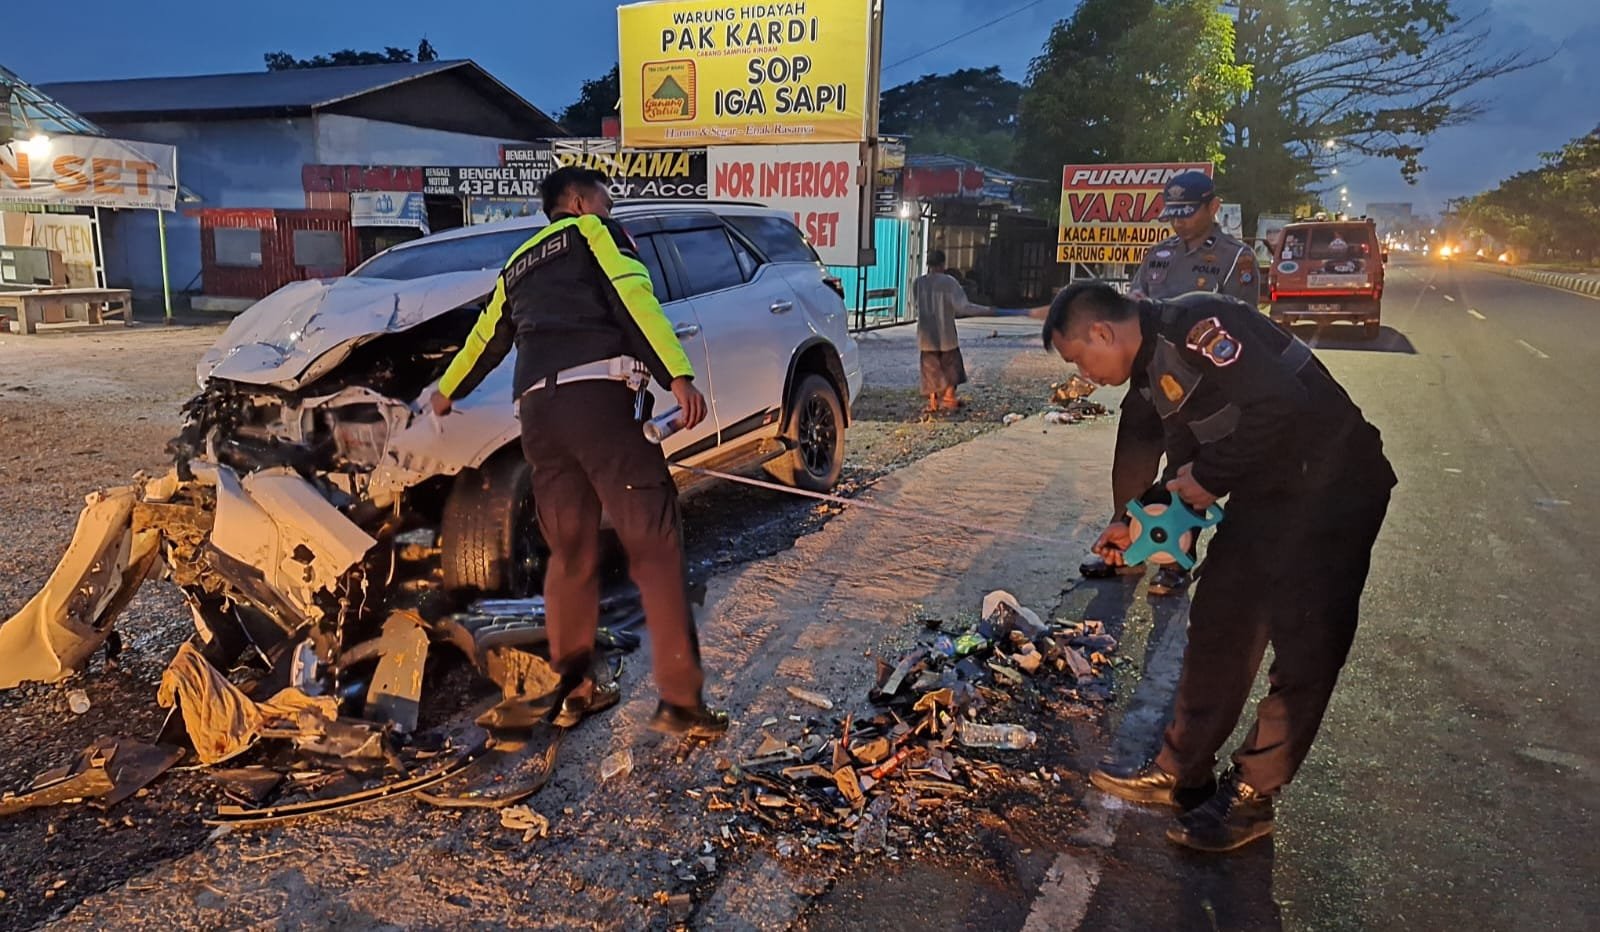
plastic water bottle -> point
(1005, 737)
(662, 425)
(78, 701)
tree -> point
(971, 113)
(1131, 81)
(1177, 103)
(1336, 79)
(283, 61)
(597, 99)
(1551, 211)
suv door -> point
(750, 316)
(686, 324)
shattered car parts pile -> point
(838, 783)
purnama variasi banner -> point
(1109, 213)
(707, 73)
(820, 185)
(91, 171)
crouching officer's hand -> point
(1193, 493)
(440, 403)
(1116, 538)
(690, 400)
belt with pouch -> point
(616, 369)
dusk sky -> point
(544, 50)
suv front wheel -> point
(815, 436)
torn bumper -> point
(57, 631)
(270, 540)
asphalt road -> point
(1454, 783)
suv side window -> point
(709, 260)
(652, 262)
(775, 236)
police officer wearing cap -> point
(1242, 410)
(1198, 257)
(578, 306)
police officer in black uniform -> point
(579, 307)
(1247, 412)
(1199, 256)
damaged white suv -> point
(311, 497)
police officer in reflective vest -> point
(578, 306)
(1243, 410)
(1198, 257)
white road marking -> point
(1063, 898)
(1533, 349)
(1433, 287)
(1448, 298)
(1474, 312)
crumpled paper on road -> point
(221, 720)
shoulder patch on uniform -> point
(1246, 278)
(1211, 340)
(552, 246)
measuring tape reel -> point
(1165, 533)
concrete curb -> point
(1582, 284)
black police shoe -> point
(1100, 569)
(1169, 580)
(1149, 785)
(700, 721)
(1234, 817)
(574, 708)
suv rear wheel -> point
(815, 435)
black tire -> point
(816, 435)
(489, 536)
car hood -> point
(301, 331)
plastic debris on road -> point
(523, 819)
(931, 744)
(616, 765)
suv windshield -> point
(464, 254)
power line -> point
(958, 37)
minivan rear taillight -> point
(834, 283)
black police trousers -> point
(588, 453)
(1287, 571)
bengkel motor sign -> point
(1110, 213)
(819, 184)
(91, 171)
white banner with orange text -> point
(90, 171)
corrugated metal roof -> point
(300, 89)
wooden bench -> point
(23, 311)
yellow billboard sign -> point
(707, 73)
(1112, 213)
